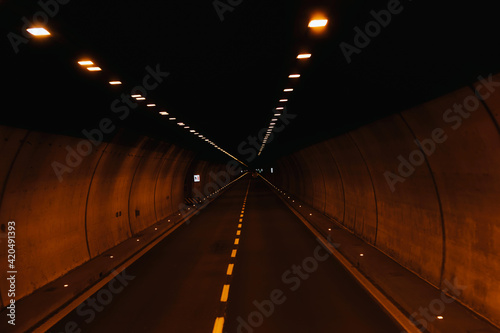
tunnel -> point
(250, 166)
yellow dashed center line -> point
(225, 293)
(219, 324)
(219, 321)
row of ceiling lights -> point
(314, 24)
(92, 67)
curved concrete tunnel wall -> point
(115, 192)
(440, 218)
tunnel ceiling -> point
(227, 69)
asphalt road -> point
(282, 281)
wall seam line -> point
(373, 187)
(332, 154)
(160, 167)
(172, 210)
(7, 176)
(88, 196)
(488, 110)
(324, 188)
(130, 190)
(441, 215)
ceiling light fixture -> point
(304, 56)
(317, 23)
(94, 69)
(115, 82)
(85, 63)
(294, 76)
(287, 89)
(38, 32)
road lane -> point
(284, 281)
(176, 287)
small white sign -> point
(196, 178)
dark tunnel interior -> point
(134, 129)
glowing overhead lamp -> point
(38, 32)
(317, 23)
(304, 56)
(85, 63)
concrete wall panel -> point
(49, 215)
(62, 222)
(489, 93)
(360, 209)
(433, 204)
(180, 174)
(163, 189)
(107, 216)
(299, 172)
(466, 170)
(409, 223)
(141, 205)
(315, 192)
(333, 183)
